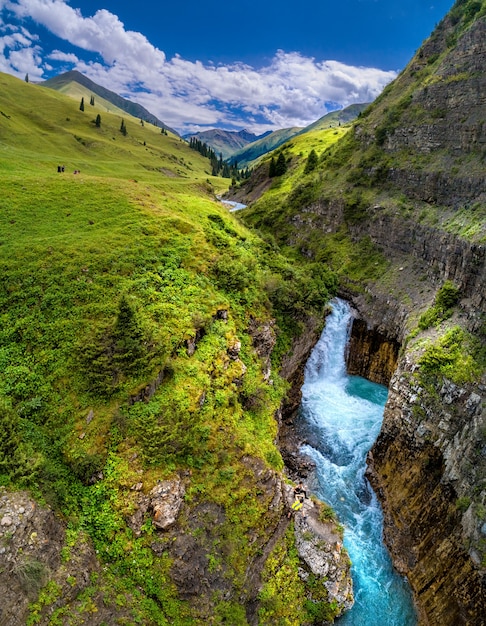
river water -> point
(341, 417)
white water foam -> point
(343, 416)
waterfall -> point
(341, 417)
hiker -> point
(300, 494)
(300, 490)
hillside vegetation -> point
(76, 85)
(126, 299)
(396, 206)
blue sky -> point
(259, 65)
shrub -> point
(311, 163)
(445, 300)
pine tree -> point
(92, 101)
(17, 461)
(81, 105)
(312, 161)
(98, 121)
(271, 168)
(26, 78)
(129, 348)
(123, 128)
(280, 165)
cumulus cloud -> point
(291, 90)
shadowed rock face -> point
(31, 541)
(426, 460)
(371, 354)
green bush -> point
(455, 355)
(445, 300)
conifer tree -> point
(26, 78)
(123, 128)
(280, 165)
(98, 121)
(271, 168)
(81, 105)
(312, 161)
(91, 101)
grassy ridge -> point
(273, 213)
(107, 277)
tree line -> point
(218, 166)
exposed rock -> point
(165, 501)
(31, 540)
(371, 354)
(263, 337)
(320, 548)
(148, 390)
(420, 467)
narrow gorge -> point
(406, 187)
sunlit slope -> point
(41, 129)
(75, 84)
(127, 297)
(77, 91)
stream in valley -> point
(341, 417)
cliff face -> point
(409, 179)
(425, 464)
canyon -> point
(414, 187)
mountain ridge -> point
(225, 142)
(61, 83)
(245, 156)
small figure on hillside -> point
(300, 490)
(300, 494)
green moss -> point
(456, 355)
(445, 300)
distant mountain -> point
(261, 146)
(75, 84)
(271, 141)
(226, 142)
(337, 118)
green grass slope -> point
(337, 118)
(76, 85)
(109, 276)
(249, 155)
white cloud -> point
(290, 91)
(66, 57)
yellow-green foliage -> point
(108, 276)
(284, 598)
(456, 355)
(283, 594)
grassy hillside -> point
(76, 85)
(124, 275)
(337, 118)
(249, 155)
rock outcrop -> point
(33, 554)
(426, 463)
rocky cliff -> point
(52, 573)
(407, 182)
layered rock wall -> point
(425, 464)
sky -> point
(258, 65)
